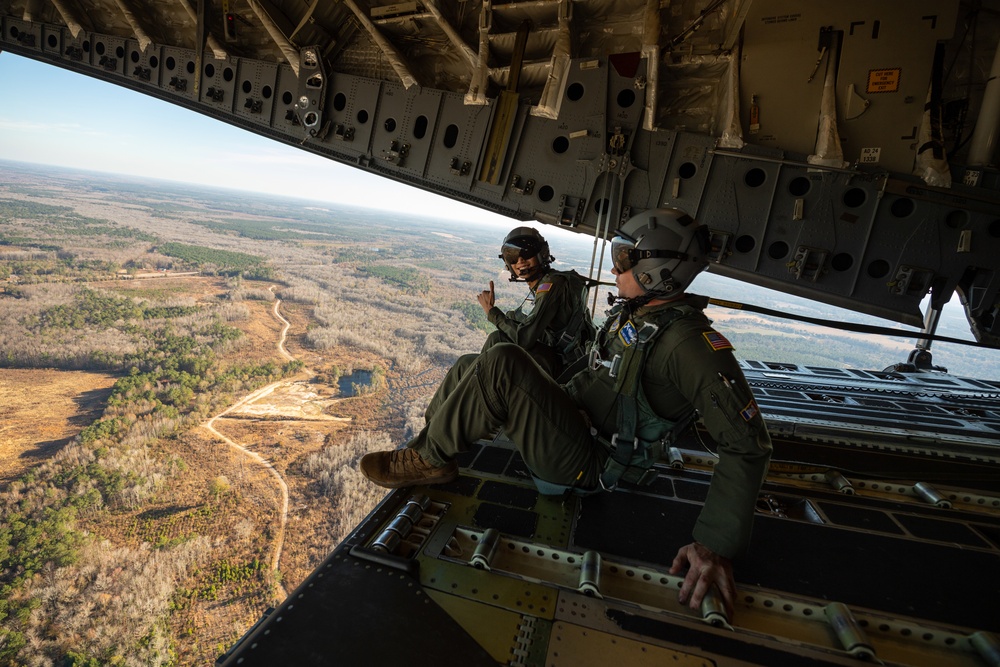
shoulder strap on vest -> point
(625, 444)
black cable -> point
(846, 326)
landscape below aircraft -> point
(844, 152)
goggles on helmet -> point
(625, 255)
(510, 253)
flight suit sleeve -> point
(708, 375)
(528, 332)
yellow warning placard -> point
(883, 80)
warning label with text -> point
(883, 80)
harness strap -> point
(625, 443)
(573, 334)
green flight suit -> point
(689, 367)
(692, 367)
(556, 329)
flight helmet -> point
(663, 248)
(525, 242)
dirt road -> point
(246, 400)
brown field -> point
(41, 411)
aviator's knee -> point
(495, 338)
(504, 352)
(506, 360)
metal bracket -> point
(26, 38)
(397, 153)
(569, 215)
(718, 245)
(911, 280)
(311, 91)
(617, 142)
(342, 132)
(460, 168)
(808, 263)
(515, 185)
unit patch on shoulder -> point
(717, 341)
(628, 334)
(544, 287)
(750, 411)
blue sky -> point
(53, 116)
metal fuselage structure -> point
(844, 152)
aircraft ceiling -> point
(840, 151)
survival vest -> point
(570, 343)
(642, 435)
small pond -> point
(347, 383)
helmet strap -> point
(539, 271)
(629, 306)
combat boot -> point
(404, 467)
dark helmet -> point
(664, 248)
(525, 242)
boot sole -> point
(442, 477)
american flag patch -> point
(749, 412)
(717, 341)
(544, 287)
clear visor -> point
(621, 253)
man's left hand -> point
(704, 568)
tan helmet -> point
(664, 249)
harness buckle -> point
(614, 366)
(594, 362)
(614, 441)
